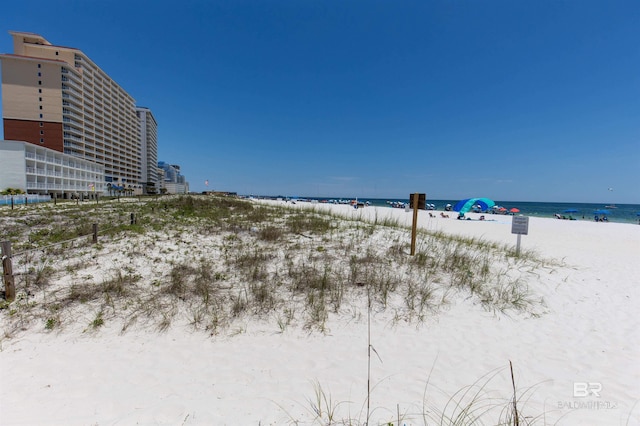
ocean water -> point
(623, 213)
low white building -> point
(39, 170)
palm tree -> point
(12, 191)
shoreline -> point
(541, 209)
(542, 231)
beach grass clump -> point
(120, 283)
(270, 233)
(491, 399)
(306, 222)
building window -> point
(41, 124)
(42, 132)
(39, 90)
(40, 99)
(38, 65)
(40, 82)
(40, 107)
(41, 140)
(56, 53)
(39, 74)
(40, 115)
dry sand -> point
(576, 364)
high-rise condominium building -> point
(58, 98)
(149, 150)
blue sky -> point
(511, 100)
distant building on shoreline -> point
(57, 98)
(172, 181)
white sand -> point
(590, 333)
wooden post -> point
(55, 198)
(7, 267)
(133, 219)
(415, 223)
(95, 233)
(12, 202)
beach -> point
(574, 357)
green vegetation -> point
(12, 191)
(218, 260)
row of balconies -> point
(109, 157)
(114, 146)
(97, 114)
(68, 175)
(57, 161)
(99, 77)
(65, 186)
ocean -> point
(622, 213)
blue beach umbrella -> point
(570, 211)
(605, 212)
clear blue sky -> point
(511, 100)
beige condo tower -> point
(58, 98)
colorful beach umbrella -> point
(467, 204)
(515, 210)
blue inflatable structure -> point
(466, 205)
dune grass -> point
(222, 259)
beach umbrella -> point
(602, 212)
(570, 211)
(515, 210)
(467, 204)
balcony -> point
(69, 144)
(71, 82)
(70, 89)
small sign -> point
(520, 225)
(422, 200)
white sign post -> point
(520, 226)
